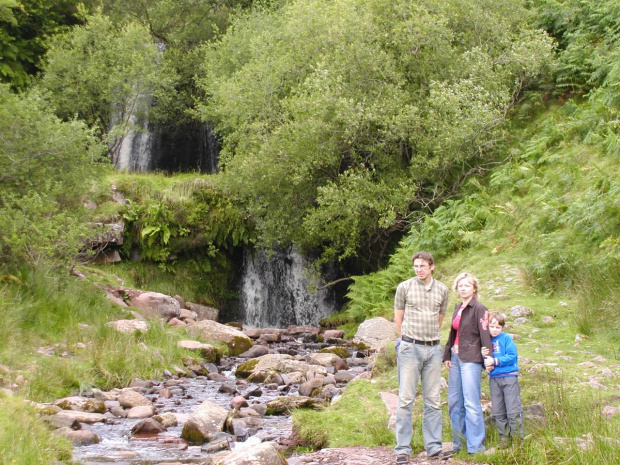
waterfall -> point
(136, 150)
(273, 292)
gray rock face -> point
(376, 332)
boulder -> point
(81, 404)
(285, 405)
(130, 398)
(203, 312)
(147, 427)
(205, 423)
(376, 332)
(209, 330)
(254, 352)
(333, 334)
(266, 453)
(81, 417)
(81, 437)
(325, 359)
(520, 311)
(206, 351)
(141, 411)
(156, 305)
(307, 388)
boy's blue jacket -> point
(505, 355)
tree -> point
(340, 119)
(112, 78)
(46, 167)
(26, 28)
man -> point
(419, 308)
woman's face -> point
(465, 288)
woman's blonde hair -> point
(461, 277)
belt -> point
(424, 343)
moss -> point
(339, 351)
(245, 369)
(191, 434)
(239, 345)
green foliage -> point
(341, 118)
(111, 77)
(46, 167)
(26, 29)
(24, 439)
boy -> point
(504, 381)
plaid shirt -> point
(422, 307)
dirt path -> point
(363, 456)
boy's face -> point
(494, 327)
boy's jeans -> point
(415, 361)
(464, 405)
(506, 407)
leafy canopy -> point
(341, 118)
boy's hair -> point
(499, 318)
(426, 256)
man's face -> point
(423, 269)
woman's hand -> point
(485, 351)
(448, 364)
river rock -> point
(238, 401)
(167, 419)
(204, 423)
(299, 330)
(129, 326)
(156, 305)
(376, 332)
(203, 312)
(265, 453)
(79, 437)
(308, 387)
(333, 334)
(326, 360)
(254, 352)
(285, 405)
(82, 417)
(148, 426)
(141, 411)
(81, 404)
(209, 330)
(130, 398)
(343, 377)
(206, 351)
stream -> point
(119, 446)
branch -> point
(320, 288)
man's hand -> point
(397, 344)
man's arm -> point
(441, 315)
(399, 316)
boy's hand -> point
(489, 362)
(485, 351)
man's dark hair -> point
(426, 256)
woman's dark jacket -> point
(474, 332)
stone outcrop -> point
(203, 312)
(155, 305)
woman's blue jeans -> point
(417, 361)
(464, 405)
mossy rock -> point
(285, 405)
(339, 351)
(245, 369)
(360, 345)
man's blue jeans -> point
(464, 405)
(417, 361)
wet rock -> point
(261, 409)
(141, 411)
(79, 437)
(204, 423)
(216, 377)
(57, 422)
(301, 330)
(118, 412)
(254, 352)
(325, 359)
(148, 426)
(209, 330)
(167, 419)
(237, 402)
(265, 453)
(333, 334)
(81, 404)
(130, 398)
(307, 388)
(252, 391)
(82, 417)
(228, 388)
(221, 441)
(343, 377)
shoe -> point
(402, 458)
(435, 455)
(447, 454)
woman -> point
(463, 358)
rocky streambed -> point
(233, 411)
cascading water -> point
(274, 292)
